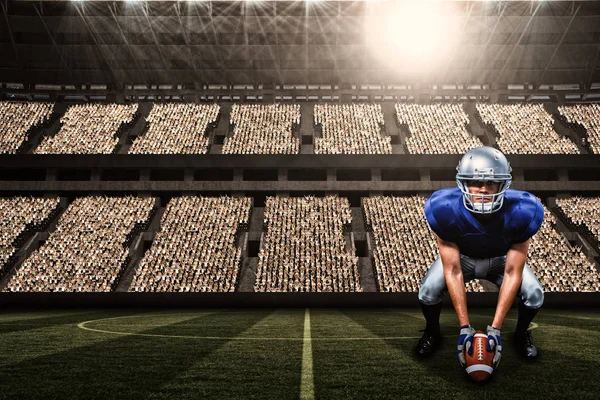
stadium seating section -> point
(263, 129)
(88, 249)
(559, 266)
(89, 129)
(583, 212)
(588, 117)
(436, 128)
(18, 217)
(525, 129)
(351, 129)
(304, 248)
(195, 249)
(305, 243)
(176, 129)
(355, 128)
(404, 246)
(17, 120)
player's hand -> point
(494, 344)
(465, 343)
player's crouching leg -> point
(532, 299)
(431, 293)
(432, 337)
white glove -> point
(494, 344)
(465, 343)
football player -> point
(483, 231)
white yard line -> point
(306, 339)
(307, 384)
(573, 316)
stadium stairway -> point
(141, 242)
(138, 128)
(565, 131)
(253, 244)
(576, 235)
(359, 235)
(580, 240)
(404, 133)
(367, 277)
(31, 242)
(307, 118)
(154, 225)
(244, 272)
(486, 137)
(391, 127)
(247, 274)
(136, 253)
(216, 136)
(34, 243)
(255, 228)
(51, 129)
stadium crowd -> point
(88, 249)
(18, 215)
(351, 129)
(559, 266)
(436, 128)
(304, 249)
(582, 211)
(17, 120)
(91, 128)
(176, 129)
(404, 247)
(263, 129)
(525, 129)
(588, 116)
(195, 249)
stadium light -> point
(413, 37)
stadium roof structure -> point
(294, 42)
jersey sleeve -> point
(529, 218)
(440, 218)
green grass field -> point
(279, 354)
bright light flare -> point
(414, 37)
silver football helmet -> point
(483, 164)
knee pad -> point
(429, 297)
(535, 298)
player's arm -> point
(513, 275)
(450, 255)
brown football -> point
(480, 363)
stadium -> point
(225, 199)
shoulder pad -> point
(527, 215)
(441, 210)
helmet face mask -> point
(482, 203)
(483, 164)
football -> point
(479, 364)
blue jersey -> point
(519, 219)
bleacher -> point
(172, 163)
